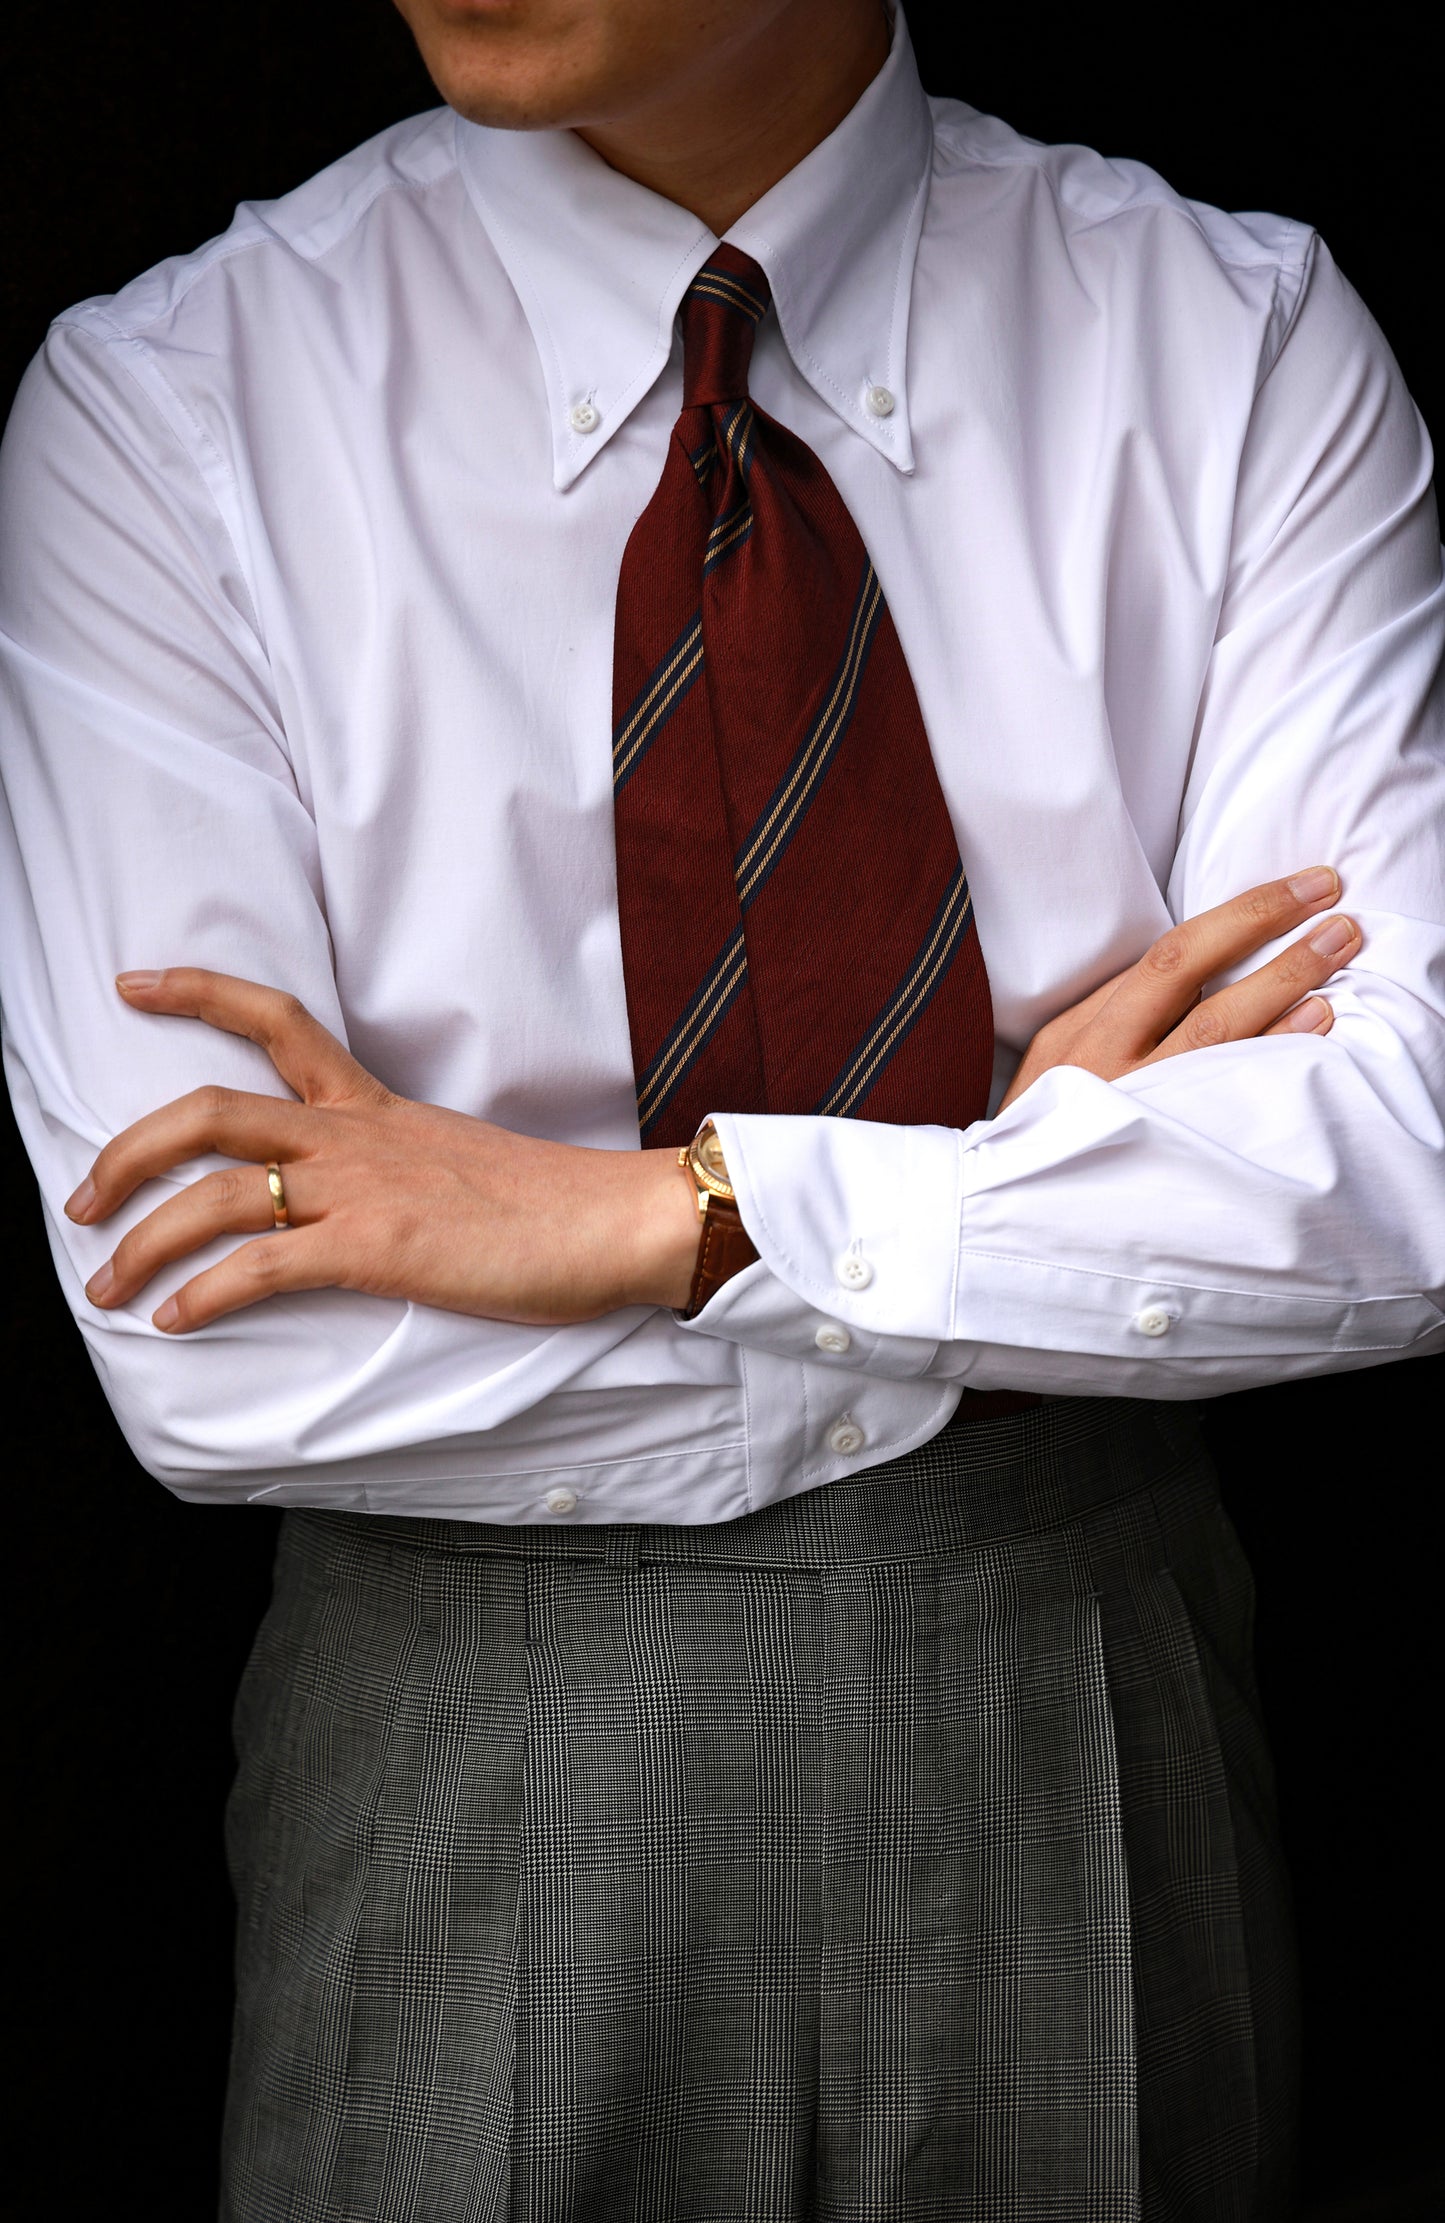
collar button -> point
(879, 402)
(852, 1270)
(582, 417)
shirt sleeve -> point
(1243, 1213)
(152, 816)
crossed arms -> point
(1280, 1201)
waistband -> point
(1019, 1474)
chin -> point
(517, 65)
(481, 100)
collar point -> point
(891, 441)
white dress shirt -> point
(310, 550)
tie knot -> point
(721, 311)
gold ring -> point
(278, 1195)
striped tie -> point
(797, 934)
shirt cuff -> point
(840, 1284)
(986, 1257)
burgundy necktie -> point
(796, 927)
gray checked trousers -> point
(904, 1851)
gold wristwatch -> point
(724, 1246)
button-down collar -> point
(600, 264)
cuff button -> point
(1153, 1320)
(561, 1501)
(832, 1337)
(845, 1437)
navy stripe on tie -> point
(651, 709)
(716, 284)
(775, 828)
(739, 431)
(731, 530)
(694, 1030)
(727, 534)
(903, 1010)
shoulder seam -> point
(1287, 315)
(1174, 205)
(225, 249)
(117, 340)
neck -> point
(716, 146)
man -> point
(791, 1748)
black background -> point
(130, 135)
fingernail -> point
(126, 981)
(99, 1282)
(166, 1315)
(1334, 936)
(1316, 885)
(78, 1205)
(1310, 1017)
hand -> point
(384, 1195)
(1156, 1008)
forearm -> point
(326, 1384)
(1249, 1213)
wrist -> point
(663, 1233)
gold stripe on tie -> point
(905, 1005)
(805, 774)
(657, 702)
(705, 1008)
(715, 285)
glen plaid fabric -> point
(796, 924)
(903, 1851)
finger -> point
(1154, 996)
(1251, 1006)
(235, 1201)
(1050, 1046)
(220, 1120)
(1088, 1008)
(306, 1054)
(295, 1258)
(1313, 1016)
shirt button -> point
(561, 1501)
(878, 401)
(830, 1337)
(845, 1437)
(852, 1271)
(1153, 1320)
(582, 417)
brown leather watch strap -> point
(724, 1249)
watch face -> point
(710, 1154)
